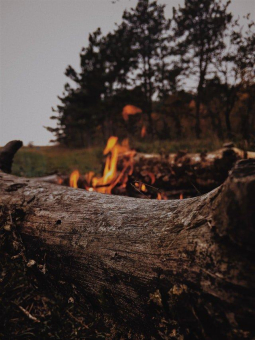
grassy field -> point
(41, 161)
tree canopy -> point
(145, 62)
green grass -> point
(41, 161)
(176, 145)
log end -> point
(7, 153)
(234, 209)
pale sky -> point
(38, 39)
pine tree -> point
(86, 107)
(149, 30)
(200, 28)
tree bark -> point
(7, 153)
(166, 269)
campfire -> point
(117, 174)
(181, 175)
(111, 176)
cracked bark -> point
(163, 268)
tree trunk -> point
(197, 124)
(228, 122)
(165, 269)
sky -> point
(38, 40)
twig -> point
(148, 185)
(30, 316)
(77, 320)
(138, 190)
(199, 192)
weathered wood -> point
(194, 158)
(163, 268)
(7, 153)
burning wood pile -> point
(165, 176)
(115, 177)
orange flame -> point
(161, 196)
(60, 180)
(152, 177)
(110, 169)
(143, 187)
(110, 177)
(143, 131)
(112, 141)
(130, 110)
(74, 179)
(181, 196)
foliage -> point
(200, 26)
(146, 62)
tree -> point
(87, 107)
(244, 61)
(151, 55)
(200, 28)
(149, 30)
(233, 66)
(77, 116)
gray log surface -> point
(163, 268)
(166, 269)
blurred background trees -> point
(147, 63)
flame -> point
(161, 196)
(181, 196)
(110, 170)
(74, 179)
(143, 187)
(130, 110)
(143, 131)
(110, 177)
(152, 177)
(60, 180)
(110, 144)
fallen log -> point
(165, 269)
(192, 173)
